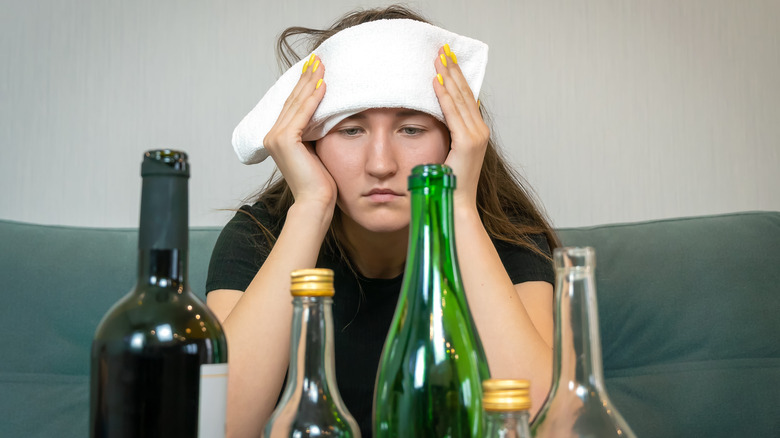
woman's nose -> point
(380, 157)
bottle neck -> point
(163, 232)
(507, 424)
(577, 362)
(432, 242)
(312, 360)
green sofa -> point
(689, 312)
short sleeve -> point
(522, 264)
(240, 250)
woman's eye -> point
(351, 132)
(411, 130)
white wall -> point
(614, 110)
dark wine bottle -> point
(429, 382)
(159, 356)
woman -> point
(342, 203)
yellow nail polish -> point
(305, 66)
(318, 84)
(316, 64)
(478, 103)
(443, 59)
(441, 79)
(311, 59)
(447, 50)
(454, 58)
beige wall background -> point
(613, 110)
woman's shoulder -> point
(531, 261)
(250, 216)
(251, 224)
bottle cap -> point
(506, 395)
(426, 175)
(312, 283)
(165, 162)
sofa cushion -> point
(688, 312)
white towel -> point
(379, 64)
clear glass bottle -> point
(506, 403)
(578, 405)
(159, 356)
(311, 405)
(429, 382)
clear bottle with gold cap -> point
(506, 403)
(311, 405)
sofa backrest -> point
(690, 322)
(57, 283)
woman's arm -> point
(257, 321)
(514, 321)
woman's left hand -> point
(468, 131)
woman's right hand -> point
(309, 180)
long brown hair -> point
(507, 208)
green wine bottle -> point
(159, 356)
(429, 382)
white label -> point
(212, 400)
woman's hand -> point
(469, 133)
(307, 177)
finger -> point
(309, 66)
(305, 109)
(452, 69)
(457, 87)
(304, 89)
(452, 114)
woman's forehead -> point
(388, 112)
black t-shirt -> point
(363, 308)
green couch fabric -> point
(689, 314)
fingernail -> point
(318, 84)
(443, 59)
(447, 50)
(316, 64)
(454, 58)
(311, 58)
(478, 103)
(305, 66)
(441, 79)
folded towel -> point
(379, 64)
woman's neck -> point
(375, 255)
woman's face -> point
(371, 154)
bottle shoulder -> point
(161, 315)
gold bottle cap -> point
(312, 283)
(506, 395)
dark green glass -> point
(159, 356)
(429, 382)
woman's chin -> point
(384, 222)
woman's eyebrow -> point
(409, 113)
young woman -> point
(342, 203)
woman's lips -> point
(382, 195)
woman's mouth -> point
(382, 195)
